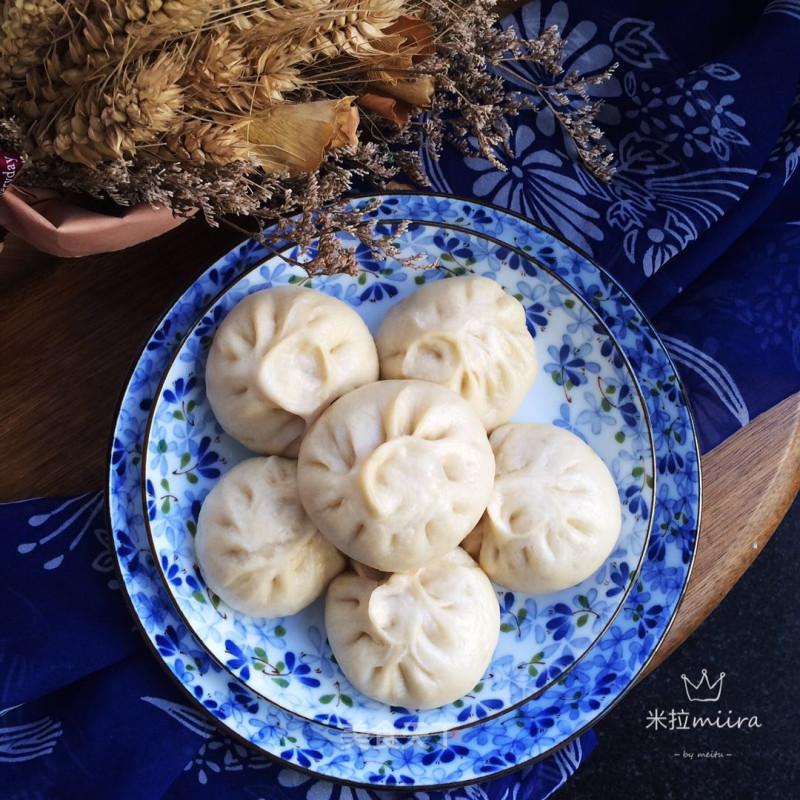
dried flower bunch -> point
(265, 108)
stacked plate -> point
(562, 660)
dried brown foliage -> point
(244, 109)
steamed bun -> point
(279, 358)
(467, 334)
(255, 545)
(554, 515)
(416, 639)
(396, 473)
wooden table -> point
(70, 330)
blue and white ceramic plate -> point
(491, 747)
(584, 384)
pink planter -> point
(44, 219)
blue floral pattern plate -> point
(493, 746)
(584, 383)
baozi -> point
(416, 639)
(465, 333)
(255, 545)
(396, 473)
(278, 359)
(554, 515)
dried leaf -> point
(294, 137)
(384, 105)
(419, 36)
(410, 43)
(417, 43)
(417, 92)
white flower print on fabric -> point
(188, 716)
(535, 185)
(671, 182)
(658, 208)
(792, 161)
(218, 753)
(104, 560)
(787, 148)
(687, 206)
(582, 52)
(713, 373)
(324, 790)
(689, 115)
(789, 7)
(539, 180)
(633, 42)
(673, 178)
(78, 512)
(28, 741)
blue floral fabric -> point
(701, 223)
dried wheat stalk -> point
(111, 120)
(28, 28)
(247, 107)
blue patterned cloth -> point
(701, 223)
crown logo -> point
(703, 691)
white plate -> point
(492, 747)
(289, 661)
